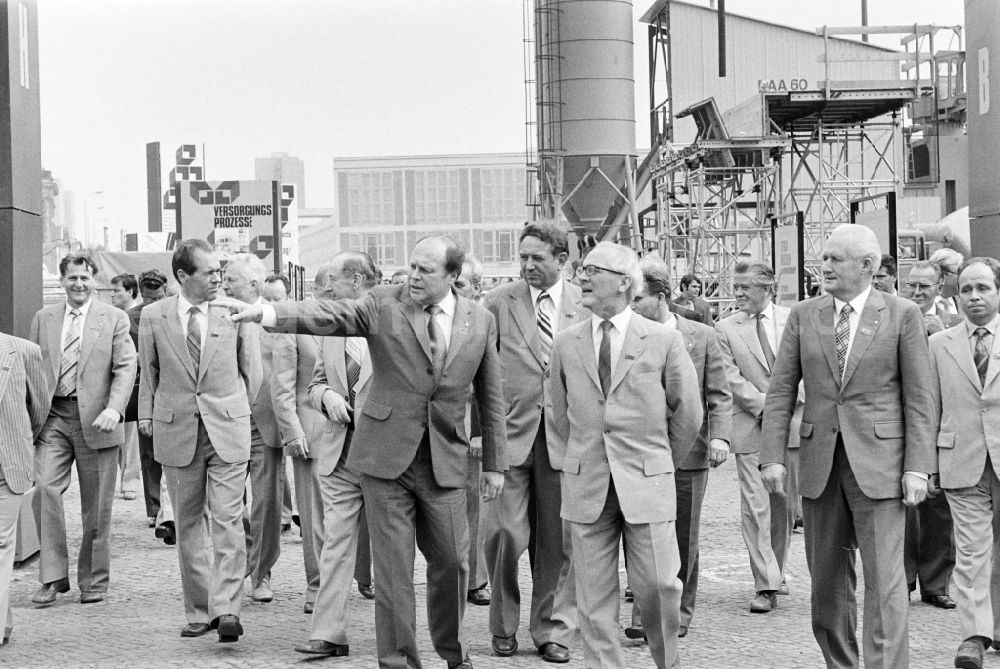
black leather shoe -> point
(635, 633)
(479, 597)
(764, 602)
(230, 629)
(940, 601)
(321, 647)
(504, 646)
(970, 654)
(91, 597)
(308, 607)
(195, 629)
(464, 664)
(682, 632)
(553, 652)
(166, 532)
(367, 590)
(47, 593)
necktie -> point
(604, 357)
(544, 319)
(70, 356)
(352, 359)
(439, 348)
(842, 335)
(194, 338)
(982, 354)
(765, 345)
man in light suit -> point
(529, 313)
(90, 370)
(24, 404)
(866, 445)
(339, 385)
(711, 446)
(198, 373)
(625, 412)
(929, 550)
(244, 280)
(411, 450)
(966, 363)
(749, 340)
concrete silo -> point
(585, 108)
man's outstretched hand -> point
(239, 312)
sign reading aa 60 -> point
(782, 85)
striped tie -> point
(70, 356)
(543, 316)
(439, 347)
(981, 354)
(194, 337)
(353, 355)
(842, 336)
(604, 357)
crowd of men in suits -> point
(583, 409)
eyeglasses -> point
(591, 270)
(921, 286)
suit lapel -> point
(572, 304)
(6, 363)
(414, 315)
(366, 371)
(631, 348)
(868, 324)
(524, 315)
(823, 324)
(959, 348)
(585, 349)
(91, 332)
(175, 335)
(212, 337)
(747, 327)
(54, 323)
(460, 325)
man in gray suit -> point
(966, 365)
(529, 313)
(866, 445)
(24, 404)
(90, 371)
(338, 388)
(749, 340)
(625, 412)
(711, 446)
(427, 346)
(244, 280)
(198, 373)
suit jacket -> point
(702, 344)
(294, 357)
(105, 371)
(525, 383)
(749, 376)
(330, 373)
(24, 404)
(406, 399)
(263, 408)
(132, 408)
(636, 436)
(968, 412)
(883, 409)
(175, 397)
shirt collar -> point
(991, 326)
(448, 304)
(857, 304)
(671, 320)
(768, 311)
(620, 320)
(555, 292)
(184, 306)
(82, 309)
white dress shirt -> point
(991, 327)
(771, 327)
(68, 318)
(555, 292)
(620, 323)
(857, 306)
(446, 318)
(183, 306)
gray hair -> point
(861, 241)
(250, 266)
(948, 260)
(474, 266)
(627, 262)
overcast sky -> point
(315, 78)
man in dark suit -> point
(152, 288)
(198, 373)
(529, 313)
(90, 372)
(866, 445)
(625, 413)
(929, 549)
(711, 446)
(410, 447)
(24, 404)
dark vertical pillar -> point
(20, 168)
(983, 74)
(154, 188)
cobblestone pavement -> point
(138, 624)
